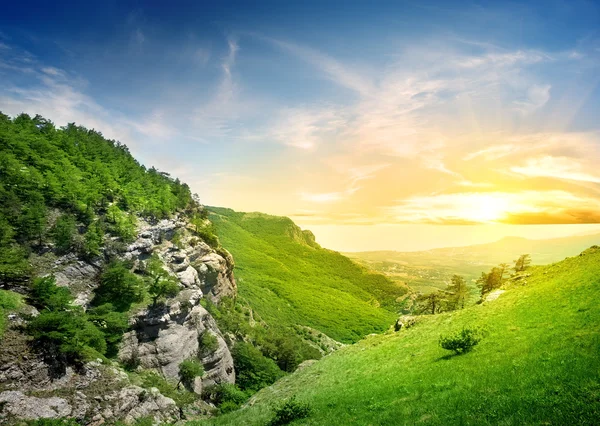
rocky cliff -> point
(161, 335)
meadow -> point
(538, 363)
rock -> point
(21, 406)
(142, 245)
(216, 276)
(188, 277)
(134, 402)
(165, 337)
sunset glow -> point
(440, 116)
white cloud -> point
(556, 167)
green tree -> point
(63, 233)
(458, 292)
(111, 323)
(33, 221)
(118, 286)
(522, 263)
(254, 371)
(430, 303)
(92, 240)
(45, 294)
(160, 282)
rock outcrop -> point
(161, 336)
(165, 335)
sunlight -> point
(486, 207)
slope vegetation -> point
(288, 279)
(539, 363)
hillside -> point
(539, 363)
(289, 279)
(426, 271)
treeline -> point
(456, 295)
(70, 186)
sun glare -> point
(486, 208)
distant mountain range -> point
(427, 270)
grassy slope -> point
(9, 301)
(429, 270)
(539, 364)
(287, 278)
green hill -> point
(429, 270)
(539, 363)
(288, 279)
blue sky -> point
(334, 113)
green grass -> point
(539, 363)
(8, 301)
(288, 279)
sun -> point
(485, 207)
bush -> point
(254, 371)
(228, 397)
(289, 411)
(189, 370)
(461, 342)
(69, 332)
(208, 343)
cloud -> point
(556, 167)
(537, 97)
(335, 70)
(552, 206)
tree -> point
(92, 240)
(45, 294)
(492, 280)
(63, 232)
(33, 221)
(254, 371)
(160, 282)
(118, 286)
(430, 303)
(522, 263)
(458, 292)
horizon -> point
(409, 125)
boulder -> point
(18, 405)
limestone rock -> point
(134, 402)
(165, 336)
(21, 406)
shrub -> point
(226, 396)
(289, 411)
(254, 371)
(461, 342)
(69, 332)
(189, 370)
(208, 343)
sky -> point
(378, 125)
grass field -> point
(289, 279)
(539, 363)
(8, 301)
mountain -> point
(537, 363)
(429, 270)
(289, 279)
